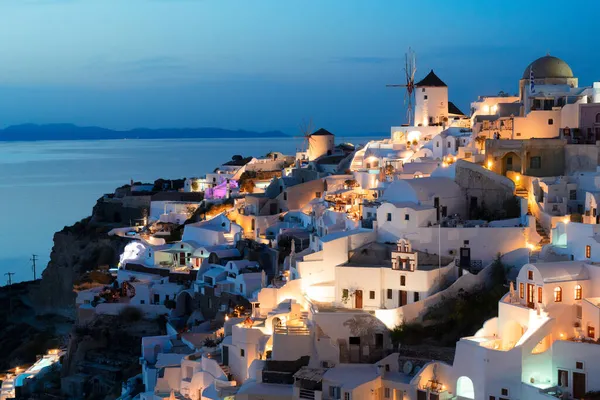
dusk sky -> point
(269, 64)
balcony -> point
(291, 330)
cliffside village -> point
(285, 277)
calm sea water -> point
(45, 186)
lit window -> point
(539, 294)
(588, 251)
(578, 292)
(557, 294)
(591, 332)
(521, 290)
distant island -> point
(33, 132)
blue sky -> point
(269, 64)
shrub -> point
(209, 342)
(131, 314)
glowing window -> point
(521, 290)
(588, 251)
(578, 292)
(557, 294)
(539, 294)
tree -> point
(480, 140)
(195, 186)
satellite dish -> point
(408, 366)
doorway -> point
(530, 294)
(578, 385)
(358, 299)
(402, 297)
(182, 258)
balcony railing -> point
(292, 330)
(307, 394)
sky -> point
(271, 64)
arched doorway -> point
(464, 388)
(184, 304)
(511, 161)
(276, 323)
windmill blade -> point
(395, 85)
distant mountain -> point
(30, 132)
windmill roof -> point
(452, 109)
(322, 132)
(431, 80)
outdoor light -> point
(518, 178)
(486, 109)
(494, 109)
(489, 164)
(566, 220)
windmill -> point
(306, 130)
(410, 68)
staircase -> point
(540, 230)
(226, 369)
(523, 193)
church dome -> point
(548, 67)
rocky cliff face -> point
(78, 249)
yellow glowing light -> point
(444, 164)
(489, 164)
(494, 109)
(562, 335)
(518, 178)
(413, 135)
(566, 220)
(227, 318)
(486, 108)
(530, 246)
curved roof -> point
(548, 67)
(562, 271)
(422, 189)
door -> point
(578, 385)
(436, 205)
(358, 300)
(473, 206)
(182, 258)
(402, 297)
(465, 257)
(530, 294)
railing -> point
(307, 394)
(292, 330)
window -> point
(449, 144)
(334, 392)
(407, 217)
(416, 296)
(354, 340)
(344, 292)
(386, 393)
(423, 90)
(465, 242)
(572, 194)
(425, 97)
(578, 365)
(530, 275)
(437, 144)
(557, 294)
(518, 133)
(550, 121)
(317, 194)
(242, 352)
(372, 295)
(535, 162)
(492, 398)
(402, 280)
(521, 290)
(387, 367)
(504, 392)
(346, 396)
(389, 216)
(539, 294)
(142, 301)
(389, 294)
(591, 332)
(588, 251)
(285, 196)
(578, 292)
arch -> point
(577, 292)
(184, 304)
(511, 161)
(464, 388)
(598, 118)
(558, 294)
(276, 322)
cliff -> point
(78, 249)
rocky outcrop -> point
(77, 250)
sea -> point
(46, 185)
